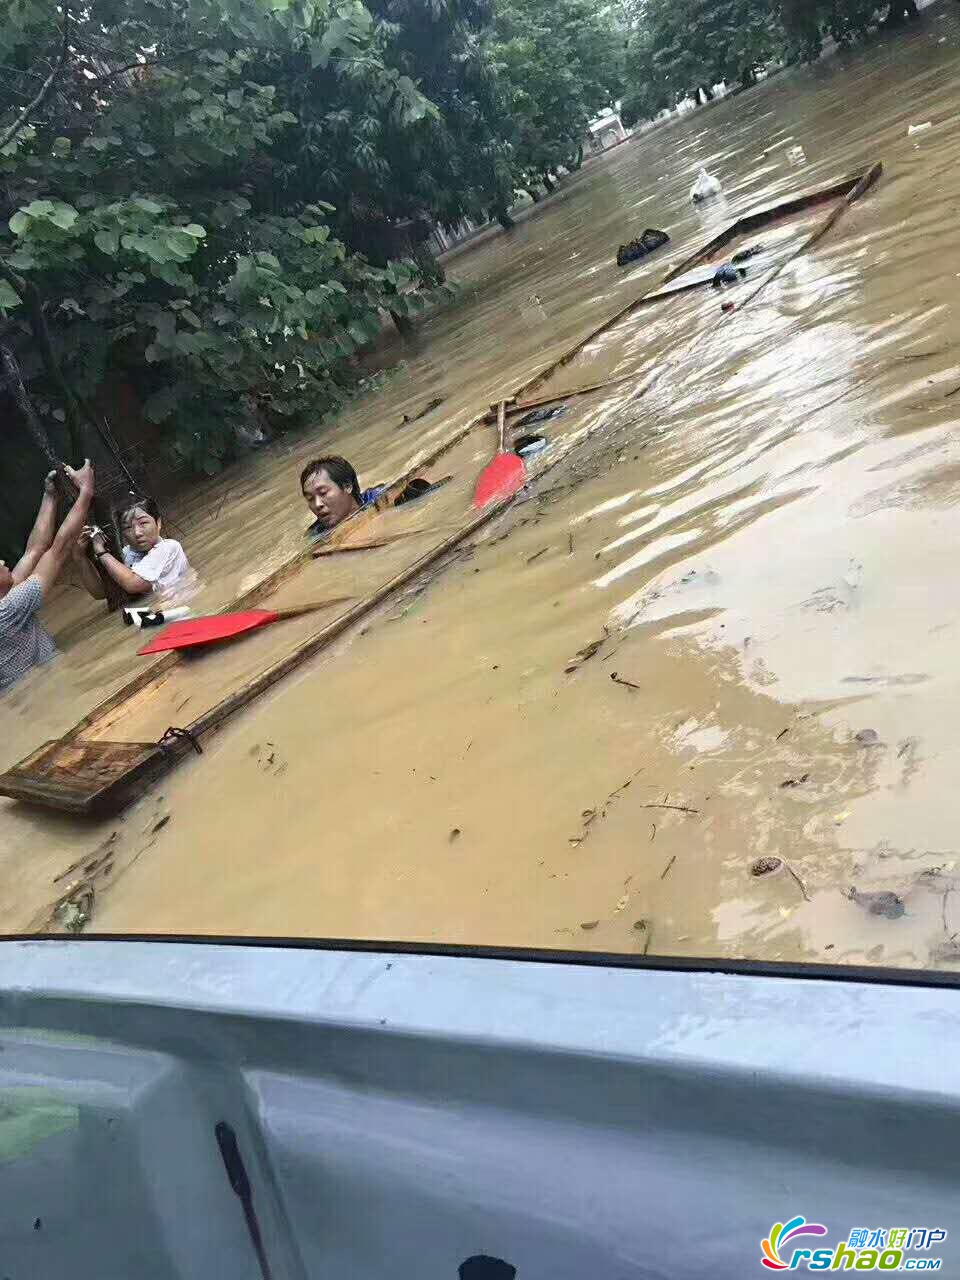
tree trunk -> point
(549, 183)
(404, 323)
(505, 220)
(431, 269)
(579, 160)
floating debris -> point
(868, 738)
(585, 654)
(795, 782)
(766, 866)
(618, 679)
(589, 816)
(705, 187)
(883, 902)
(648, 243)
(589, 924)
(75, 912)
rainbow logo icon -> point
(780, 1233)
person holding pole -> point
(24, 641)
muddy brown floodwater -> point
(766, 542)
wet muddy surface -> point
(719, 629)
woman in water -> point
(150, 562)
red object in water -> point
(728, 306)
(505, 475)
(197, 631)
(500, 478)
(192, 632)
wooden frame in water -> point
(83, 775)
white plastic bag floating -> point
(919, 128)
(705, 187)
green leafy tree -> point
(560, 62)
(391, 173)
(808, 22)
(149, 219)
(680, 46)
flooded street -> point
(764, 543)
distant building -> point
(605, 132)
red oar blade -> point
(197, 631)
(504, 476)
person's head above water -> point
(331, 490)
(139, 523)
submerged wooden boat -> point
(85, 773)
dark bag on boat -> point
(647, 243)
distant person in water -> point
(149, 562)
(332, 492)
(24, 642)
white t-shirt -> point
(164, 566)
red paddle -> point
(506, 474)
(193, 632)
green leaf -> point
(194, 229)
(9, 298)
(235, 98)
(162, 403)
(107, 242)
(62, 147)
(146, 149)
(19, 223)
(22, 259)
(64, 215)
(148, 206)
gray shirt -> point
(24, 643)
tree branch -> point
(150, 62)
(12, 130)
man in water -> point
(332, 492)
(24, 643)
